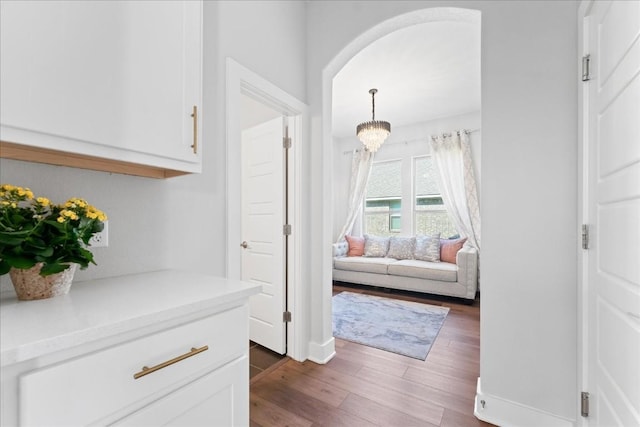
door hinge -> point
(586, 69)
(286, 142)
(286, 229)
(286, 316)
(584, 404)
(585, 236)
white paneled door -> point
(613, 203)
(264, 244)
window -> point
(385, 214)
(386, 190)
(430, 215)
(383, 199)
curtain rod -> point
(445, 134)
(423, 139)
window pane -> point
(430, 215)
(425, 177)
(385, 180)
(383, 200)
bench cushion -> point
(442, 271)
(363, 264)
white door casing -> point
(242, 81)
(611, 208)
(262, 219)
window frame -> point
(408, 213)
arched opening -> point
(399, 23)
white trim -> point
(503, 412)
(321, 321)
(322, 353)
(582, 350)
(240, 80)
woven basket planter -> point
(30, 285)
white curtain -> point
(452, 155)
(360, 170)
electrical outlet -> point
(101, 239)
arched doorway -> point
(331, 70)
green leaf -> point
(4, 267)
(46, 252)
(18, 262)
(53, 268)
(10, 240)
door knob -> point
(244, 244)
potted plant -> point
(43, 242)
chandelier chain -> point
(373, 105)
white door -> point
(613, 200)
(263, 218)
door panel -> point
(613, 198)
(263, 215)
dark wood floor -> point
(364, 386)
(261, 359)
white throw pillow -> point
(375, 246)
(427, 248)
(401, 247)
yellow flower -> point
(43, 201)
(75, 202)
(68, 214)
(92, 212)
(25, 192)
(60, 219)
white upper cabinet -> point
(115, 80)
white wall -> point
(529, 191)
(529, 150)
(180, 222)
(404, 142)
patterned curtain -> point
(360, 170)
(452, 155)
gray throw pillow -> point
(401, 247)
(375, 246)
(427, 248)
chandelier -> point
(373, 133)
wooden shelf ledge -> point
(9, 150)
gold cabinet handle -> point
(146, 370)
(195, 129)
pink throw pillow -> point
(449, 249)
(356, 245)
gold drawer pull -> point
(146, 370)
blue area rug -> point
(403, 327)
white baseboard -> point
(322, 353)
(505, 413)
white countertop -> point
(98, 309)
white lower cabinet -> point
(216, 399)
(99, 387)
(152, 349)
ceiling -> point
(253, 113)
(422, 72)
